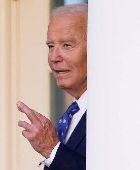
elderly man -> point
(64, 148)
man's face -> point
(67, 42)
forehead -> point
(62, 25)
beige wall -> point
(23, 76)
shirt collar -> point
(82, 102)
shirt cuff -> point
(48, 161)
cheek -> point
(82, 72)
(49, 61)
(82, 65)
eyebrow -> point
(48, 42)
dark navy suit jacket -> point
(72, 155)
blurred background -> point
(26, 76)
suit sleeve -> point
(67, 159)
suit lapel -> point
(78, 133)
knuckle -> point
(27, 110)
(30, 112)
(24, 122)
(46, 121)
(38, 129)
(32, 137)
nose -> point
(55, 55)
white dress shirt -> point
(82, 103)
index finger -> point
(29, 112)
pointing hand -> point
(41, 133)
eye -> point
(67, 45)
(50, 46)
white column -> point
(113, 141)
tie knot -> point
(73, 108)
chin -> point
(62, 85)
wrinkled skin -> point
(41, 133)
(67, 42)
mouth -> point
(62, 72)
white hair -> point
(70, 9)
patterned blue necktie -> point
(65, 120)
